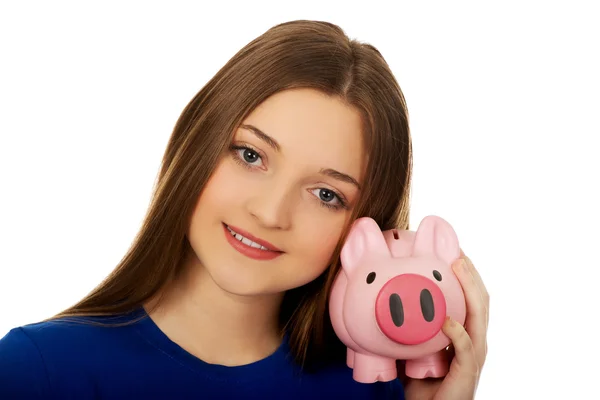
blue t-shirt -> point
(67, 360)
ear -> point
(365, 237)
(436, 236)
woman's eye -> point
(326, 195)
(329, 198)
(249, 156)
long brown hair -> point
(295, 54)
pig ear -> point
(436, 236)
(365, 237)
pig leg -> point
(350, 358)
(432, 366)
(371, 368)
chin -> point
(244, 284)
(244, 279)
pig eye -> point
(437, 276)
(371, 277)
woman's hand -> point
(469, 344)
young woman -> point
(224, 291)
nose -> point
(410, 309)
(271, 207)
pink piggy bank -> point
(391, 296)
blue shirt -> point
(67, 360)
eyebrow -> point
(262, 136)
(340, 176)
(332, 173)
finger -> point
(477, 276)
(477, 313)
(484, 293)
(464, 361)
(481, 343)
(482, 348)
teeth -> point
(246, 241)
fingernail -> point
(449, 321)
(459, 265)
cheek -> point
(215, 203)
(222, 189)
(318, 241)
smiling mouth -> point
(249, 242)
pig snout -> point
(410, 309)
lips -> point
(250, 246)
(247, 237)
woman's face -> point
(288, 184)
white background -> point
(503, 101)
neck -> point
(216, 326)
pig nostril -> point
(437, 276)
(396, 310)
(427, 305)
(371, 277)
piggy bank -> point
(391, 296)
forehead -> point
(312, 127)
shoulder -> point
(22, 368)
(34, 358)
(70, 333)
